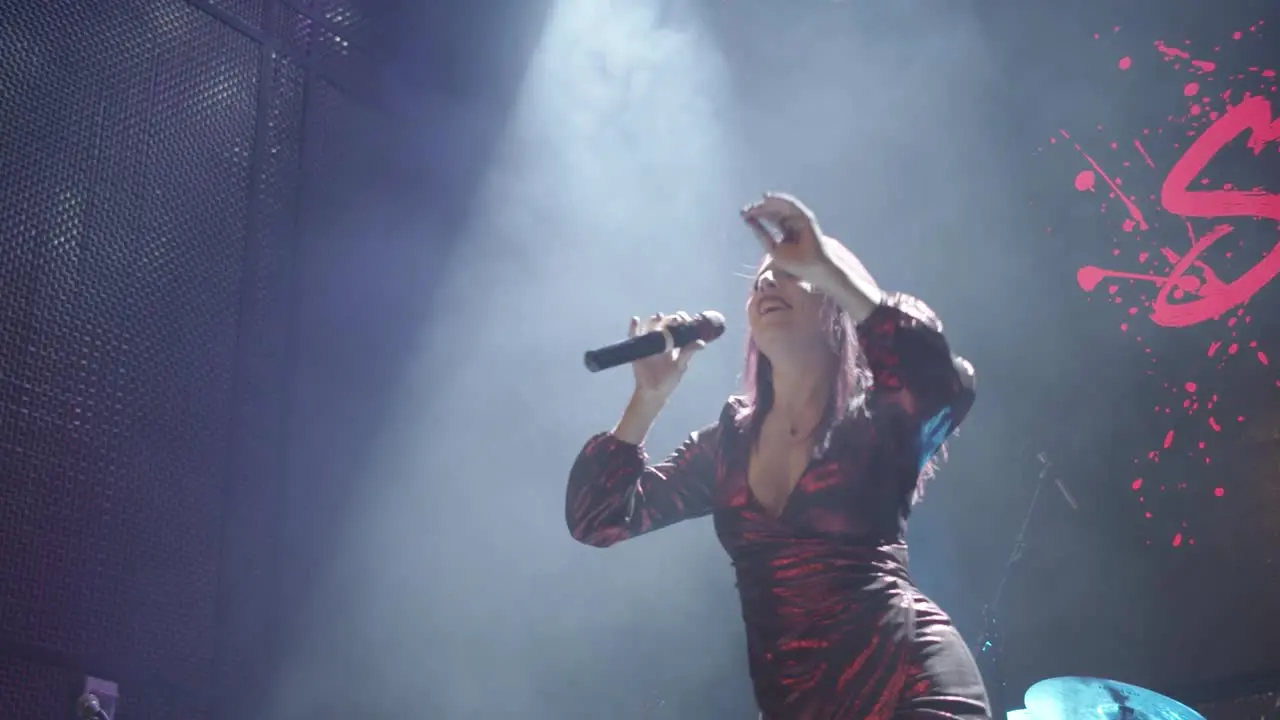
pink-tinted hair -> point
(850, 386)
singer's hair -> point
(850, 385)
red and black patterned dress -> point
(835, 627)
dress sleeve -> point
(912, 367)
(614, 494)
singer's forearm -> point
(849, 283)
(638, 418)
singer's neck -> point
(802, 386)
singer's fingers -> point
(768, 209)
(651, 323)
(792, 215)
(779, 204)
(634, 327)
(686, 353)
(753, 211)
(666, 321)
(761, 232)
(780, 210)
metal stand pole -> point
(991, 646)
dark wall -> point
(1162, 430)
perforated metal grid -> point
(255, 485)
(353, 22)
(127, 129)
(144, 336)
(336, 38)
(31, 690)
(249, 11)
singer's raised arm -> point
(614, 494)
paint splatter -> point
(1179, 231)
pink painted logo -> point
(1211, 296)
(1168, 244)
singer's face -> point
(783, 312)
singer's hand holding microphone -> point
(659, 349)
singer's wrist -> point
(843, 279)
(648, 402)
(639, 416)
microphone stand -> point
(991, 644)
(88, 707)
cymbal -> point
(1076, 698)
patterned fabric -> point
(835, 627)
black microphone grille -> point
(711, 325)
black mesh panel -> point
(249, 11)
(336, 38)
(255, 486)
(33, 690)
(126, 129)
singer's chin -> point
(776, 335)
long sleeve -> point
(912, 367)
(614, 495)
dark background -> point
(186, 183)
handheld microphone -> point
(705, 326)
